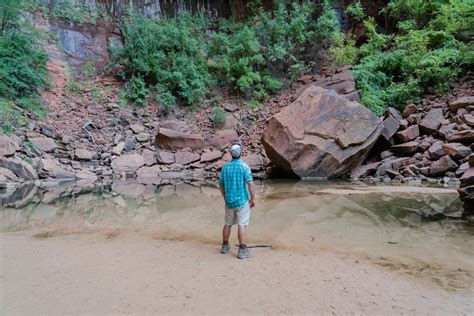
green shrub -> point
(235, 60)
(356, 11)
(286, 34)
(22, 65)
(166, 56)
(74, 87)
(425, 54)
(218, 117)
(344, 51)
(89, 69)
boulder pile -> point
(428, 142)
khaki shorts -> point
(238, 215)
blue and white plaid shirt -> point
(234, 177)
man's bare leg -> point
(242, 234)
(226, 233)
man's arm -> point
(221, 185)
(222, 191)
(251, 188)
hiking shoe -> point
(225, 248)
(244, 253)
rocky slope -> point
(89, 137)
(428, 141)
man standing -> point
(237, 188)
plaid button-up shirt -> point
(233, 178)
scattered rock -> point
(457, 150)
(390, 127)
(409, 110)
(223, 138)
(386, 153)
(465, 137)
(175, 125)
(165, 157)
(185, 158)
(230, 107)
(431, 123)
(461, 103)
(211, 156)
(365, 170)
(436, 150)
(149, 172)
(447, 129)
(117, 150)
(127, 163)
(342, 82)
(462, 168)
(149, 156)
(403, 124)
(43, 144)
(409, 134)
(469, 119)
(129, 145)
(390, 111)
(441, 166)
(83, 154)
(143, 137)
(137, 128)
(174, 140)
(49, 168)
(406, 148)
(8, 147)
(67, 139)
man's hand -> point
(252, 193)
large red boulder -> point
(321, 134)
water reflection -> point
(297, 215)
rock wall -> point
(156, 8)
(83, 43)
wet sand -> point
(134, 273)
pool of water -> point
(396, 226)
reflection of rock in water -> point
(20, 197)
(409, 206)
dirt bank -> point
(134, 274)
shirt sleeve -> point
(248, 174)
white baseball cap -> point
(235, 150)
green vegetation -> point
(165, 57)
(180, 61)
(218, 117)
(22, 67)
(424, 54)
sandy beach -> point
(133, 273)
